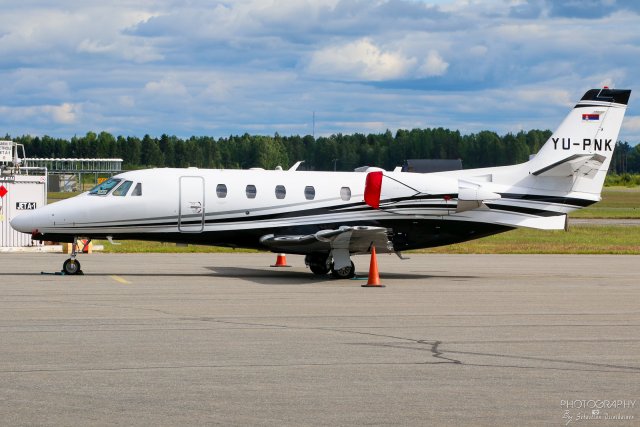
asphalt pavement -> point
(223, 339)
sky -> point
(216, 68)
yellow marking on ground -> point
(121, 280)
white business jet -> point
(329, 216)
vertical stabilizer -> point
(582, 147)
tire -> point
(317, 264)
(71, 267)
(319, 269)
(345, 272)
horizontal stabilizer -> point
(557, 222)
(586, 165)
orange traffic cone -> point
(374, 277)
(281, 261)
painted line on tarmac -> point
(121, 280)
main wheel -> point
(71, 266)
(345, 272)
(317, 264)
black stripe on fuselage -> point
(413, 234)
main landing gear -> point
(72, 265)
(321, 264)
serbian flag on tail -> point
(591, 117)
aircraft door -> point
(191, 209)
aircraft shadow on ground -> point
(256, 275)
(307, 276)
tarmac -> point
(223, 339)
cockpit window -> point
(137, 191)
(123, 189)
(104, 188)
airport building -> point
(25, 182)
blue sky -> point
(216, 68)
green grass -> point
(617, 202)
(578, 240)
(139, 246)
(57, 196)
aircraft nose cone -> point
(25, 222)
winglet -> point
(372, 189)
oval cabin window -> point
(345, 193)
(221, 191)
(251, 191)
(281, 192)
(309, 192)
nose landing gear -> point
(72, 266)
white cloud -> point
(631, 123)
(94, 46)
(126, 101)
(433, 65)
(162, 66)
(534, 95)
(359, 60)
(219, 90)
(65, 113)
(168, 86)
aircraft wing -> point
(356, 239)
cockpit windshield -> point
(122, 190)
(104, 188)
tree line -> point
(335, 152)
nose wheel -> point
(72, 265)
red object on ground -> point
(374, 277)
(281, 261)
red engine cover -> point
(372, 189)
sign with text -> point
(6, 151)
(23, 206)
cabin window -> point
(105, 187)
(251, 191)
(221, 191)
(123, 189)
(345, 193)
(281, 192)
(309, 192)
(137, 191)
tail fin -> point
(582, 147)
